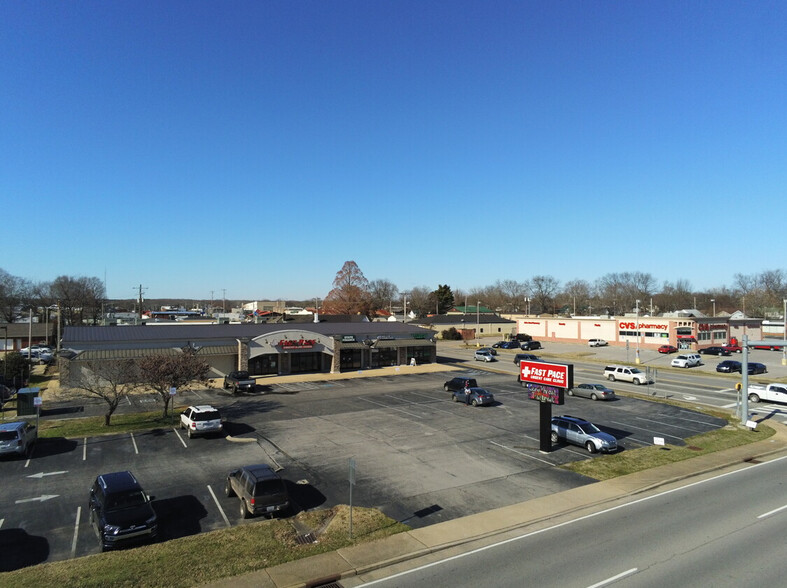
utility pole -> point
(139, 299)
(224, 300)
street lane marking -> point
(774, 511)
(134, 441)
(40, 475)
(380, 404)
(1, 523)
(521, 453)
(84, 449)
(41, 498)
(179, 437)
(76, 534)
(221, 510)
(614, 578)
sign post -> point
(547, 383)
(351, 478)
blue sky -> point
(254, 147)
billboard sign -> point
(558, 375)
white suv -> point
(200, 420)
(625, 373)
(597, 343)
(686, 361)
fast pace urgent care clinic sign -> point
(546, 382)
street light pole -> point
(784, 327)
(477, 318)
(637, 325)
(5, 353)
(714, 306)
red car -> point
(667, 349)
(768, 347)
(732, 348)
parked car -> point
(239, 380)
(768, 347)
(715, 351)
(583, 433)
(259, 488)
(476, 396)
(733, 348)
(530, 345)
(36, 349)
(6, 393)
(484, 355)
(757, 368)
(458, 383)
(120, 511)
(625, 373)
(507, 344)
(525, 357)
(17, 438)
(729, 366)
(667, 349)
(597, 343)
(592, 391)
(201, 420)
(38, 356)
(686, 360)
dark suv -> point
(120, 511)
(530, 345)
(260, 489)
(459, 383)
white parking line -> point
(134, 441)
(770, 512)
(1, 523)
(614, 578)
(522, 454)
(84, 449)
(380, 404)
(179, 437)
(221, 510)
(76, 534)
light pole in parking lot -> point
(714, 306)
(637, 325)
(784, 329)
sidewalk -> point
(440, 538)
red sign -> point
(297, 343)
(546, 374)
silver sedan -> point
(592, 391)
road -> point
(723, 531)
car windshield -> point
(589, 428)
(598, 386)
(129, 499)
(242, 375)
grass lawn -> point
(199, 559)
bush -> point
(451, 335)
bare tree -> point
(111, 381)
(163, 372)
(350, 294)
(543, 290)
(419, 302)
(382, 293)
(14, 292)
(513, 294)
(576, 295)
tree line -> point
(758, 295)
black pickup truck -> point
(239, 380)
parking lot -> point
(419, 457)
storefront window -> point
(384, 357)
(350, 359)
(421, 355)
(264, 364)
(301, 363)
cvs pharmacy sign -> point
(547, 374)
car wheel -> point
(553, 437)
(754, 398)
(454, 398)
(611, 378)
(244, 512)
(570, 392)
(228, 491)
(636, 382)
(593, 397)
(474, 402)
(590, 447)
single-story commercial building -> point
(262, 349)
(649, 332)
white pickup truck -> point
(769, 393)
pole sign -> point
(546, 382)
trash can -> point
(25, 401)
